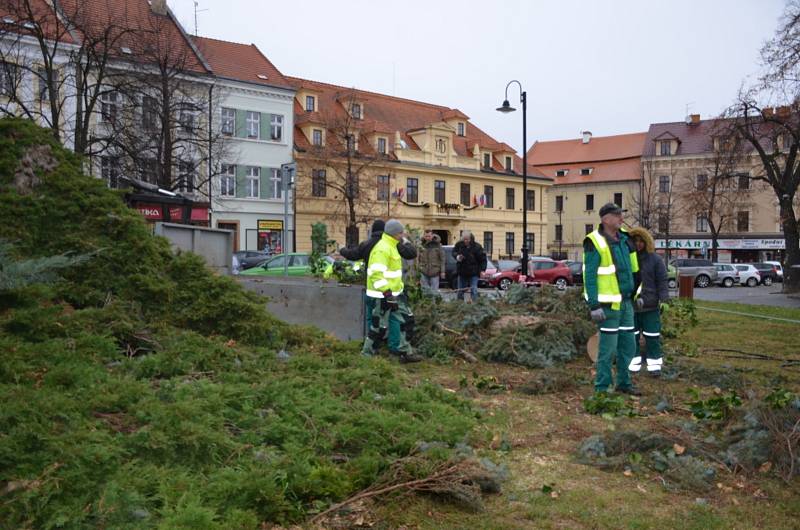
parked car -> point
(504, 279)
(672, 277)
(250, 258)
(576, 268)
(768, 272)
(507, 264)
(727, 275)
(298, 265)
(703, 270)
(546, 270)
(748, 275)
(778, 267)
(491, 268)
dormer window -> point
(509, 164)
(487, 160)
(586, 171)
(461, 128)
(382, 146)
(666, 148)
(316, 137)
(355, 110)
(562, 172)
(311, 103)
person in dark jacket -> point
(470, 262)
(432, 264)
(650, 303)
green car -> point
(298, 266)
(672, 277)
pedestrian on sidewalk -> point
(650, 304)
(610, 283)
(431, 263)
(470, 262)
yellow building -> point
(362, 156)
(588, 173)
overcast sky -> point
(609, 66)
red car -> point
(540, 270)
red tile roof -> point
(575, 151)
(388, 114)
(14, 14)
(694, 139)
(241, 62)
(605, 171)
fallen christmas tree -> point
(532, 327)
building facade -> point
(362, 156)
(692, 178)
(588, 172)
(254, 117)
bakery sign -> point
(724, 244)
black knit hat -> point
(377, 226)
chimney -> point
(159, 7)
(782, 111)
(695, 119)
(587, 136)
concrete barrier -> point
(337, 309)
(214, 245)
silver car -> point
(703, 270)
(727, 275)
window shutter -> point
(241, 181)
(264, 123)
(241, 123)
(266, 183)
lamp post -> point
(506, 108)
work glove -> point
(664, 307)
(598, 315)
(639, 303)
(389, 301)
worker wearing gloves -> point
(610, 278)
(648, 306)
(385, 286)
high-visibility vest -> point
(607, 284)
(385, 269)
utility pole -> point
(287, 180)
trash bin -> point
(686, 287)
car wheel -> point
(766, 281)
(752, 282)
(504, 284)
(727, 282)
(672, 284)
(560, 283)
(702, 281)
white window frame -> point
(313, 105)
(701, 223)
(187, 169)
(509, 163)
(357, 115)
(253, 125)
(277, 183)
(253, 182)
(109, 106)
(485, 155)
(314, 136)
(382, 145)
(462, 129)
(276, 127)
(109, 170)
(228, 175)
(187, 118)
(228, 120)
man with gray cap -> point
(610, 277)
(385, 286)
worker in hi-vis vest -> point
(610, 284)
(385, 286)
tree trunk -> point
(791, 270)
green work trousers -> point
(396, 321)
(648, 323)
(616, 343)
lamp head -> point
(506, 108)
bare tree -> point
(713, 195)
(361, 188)
(774, 133)
(645, 205)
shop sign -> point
(724, 244)
(150, 211)
(267, 225)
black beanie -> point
(377, 226)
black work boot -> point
(630, 390)
(409, 357)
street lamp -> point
(505, 108)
